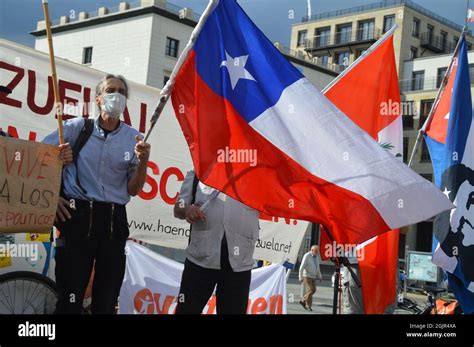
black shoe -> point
(309, 308)
(304, 305)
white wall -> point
(119, 47)
(135, 48)
(430, 65)
(160, 63)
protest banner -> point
(151, 286)
(30, 179)
(29, 113)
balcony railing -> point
(170, 7)
(343, 38)
(381, 5)
(427, 83)
(301, 55)
(436, 43)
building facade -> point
(141, 41)
(340, 37)
(423, 45)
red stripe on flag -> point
(369, 93)
(438, 127)
(277, 185)
(379, 271)
(365, 94)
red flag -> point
(369, 94)
(438, 127)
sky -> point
(19, 17)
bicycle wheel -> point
(23, 292)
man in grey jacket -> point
(309, 271)
(220, 252)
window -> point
(87, 55)
(456, 39)
(172, 46)
(444, 40)
(430, 32)
(413, 53)
(425, 110)
(416, 27)
(388, 22)
(405, 149)
(342, 58)
(440, 76)
(469, 46)
(165, 80)
(425, 153)
(359, 52)
(302, 35)
(402, 245)
(344, 33)
(409, 113)
(428, 177)
(424, 236)
(323, 59)
(418, 79)
(366, 30)
(322, 36)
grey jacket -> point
(223, 215)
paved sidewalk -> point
(322, 299)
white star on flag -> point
(446, 192)
(236, 69)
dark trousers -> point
(92, 236)
(198, 283)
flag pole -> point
(338, 261)
(441, 89)
(168, 88)
(59, 111)
(467, 12)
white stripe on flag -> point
(311, 130)
(444, 261)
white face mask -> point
(114, 104)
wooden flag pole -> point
(58, 105)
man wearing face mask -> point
(109, 168)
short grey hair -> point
(99, 89)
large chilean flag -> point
(233, 91)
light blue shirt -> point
(105, 164)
